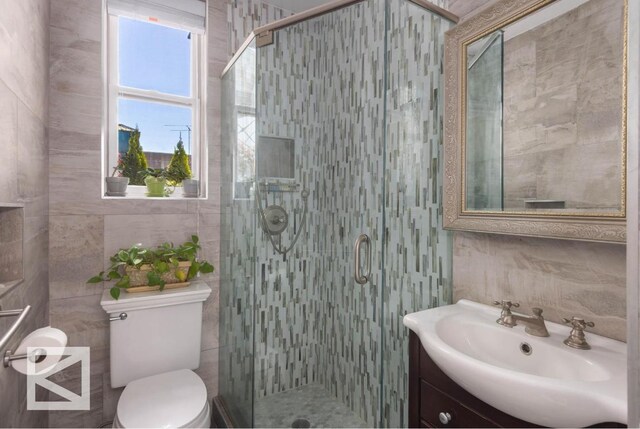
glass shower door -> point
(320, 129)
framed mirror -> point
(535, 120)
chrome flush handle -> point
(121, 316)
(359, 277)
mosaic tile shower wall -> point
(313, 323)
(237, 255)
(417, 251)
(245, 15)
(327, 328)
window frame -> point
(113, 92)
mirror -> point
(537, 94)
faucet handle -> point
(506, 304)
(576, 337)
(506, 318)
(578, 323)
(537, 312)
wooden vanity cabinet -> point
(432, 392)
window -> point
(155, 87)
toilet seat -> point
(169, 400)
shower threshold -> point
(310, 404)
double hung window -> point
(155, 87)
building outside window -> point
(155, 85)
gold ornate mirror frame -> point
(574, 226)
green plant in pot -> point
(117, 183)
(142, 267)
(157, 182)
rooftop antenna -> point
(188, 129)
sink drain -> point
(301, 424)
(526, 348)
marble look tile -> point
(79, 419)
(75, 182)
(25, 52)
(61, 140)
(82, 18)
(466, 8)
(110, 398)
(75, 66)
(75, 112)
(86, 325)
(210, 319)
(208, 371)
(123, 231)
(33, 155)
(9, 160)
(76, 247)
(564, 278)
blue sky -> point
(156, 58)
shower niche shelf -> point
(11, 246)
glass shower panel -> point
(238, 230)
(318, 338)
(484, 183)
(417, 251)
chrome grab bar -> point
(22, 314)
(359, 277)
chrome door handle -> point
(359, 277)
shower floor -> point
(312, 403)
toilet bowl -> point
(176, 399)
(155, 340)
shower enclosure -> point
(331, 135)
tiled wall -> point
(417, 259)
(24, 49)
(577, 81)
(85, 229)
(243, 16)
(563, 277)
(313, 324)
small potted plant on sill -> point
(117, 183)
(179, 171)
(141, 269)
(157, 182)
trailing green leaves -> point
(162, 260)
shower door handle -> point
(359, 277)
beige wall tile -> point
(76, 245)
(564, 278)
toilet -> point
(155, 346)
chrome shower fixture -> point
(275, 219)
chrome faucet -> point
(534, 325)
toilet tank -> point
(162, 331)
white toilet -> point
(154, 349)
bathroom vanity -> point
(436, 401)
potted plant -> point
(157, 180)
(191, 188)
(141, 269)
(117, 183)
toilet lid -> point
(169, 400)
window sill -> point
(139, 193)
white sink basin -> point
(554, 386)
